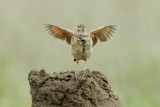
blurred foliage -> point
(130, 59)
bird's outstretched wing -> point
(102, 34)
(59, 32)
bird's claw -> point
(84, 73)
(76, 75)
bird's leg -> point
(85, 74)
(85, 65)
(76, 74)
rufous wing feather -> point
(102, 34)
(59, 32)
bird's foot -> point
(76, 75)
(84, 73)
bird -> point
(80, 41)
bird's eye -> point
(78, 30)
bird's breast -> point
(81, 48)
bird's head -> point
(81, 30)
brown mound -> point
(63, 90)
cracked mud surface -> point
(63, 90)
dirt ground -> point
(64, 90)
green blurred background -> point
(130, 59)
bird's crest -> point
(81, 26)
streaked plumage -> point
(81, 42)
